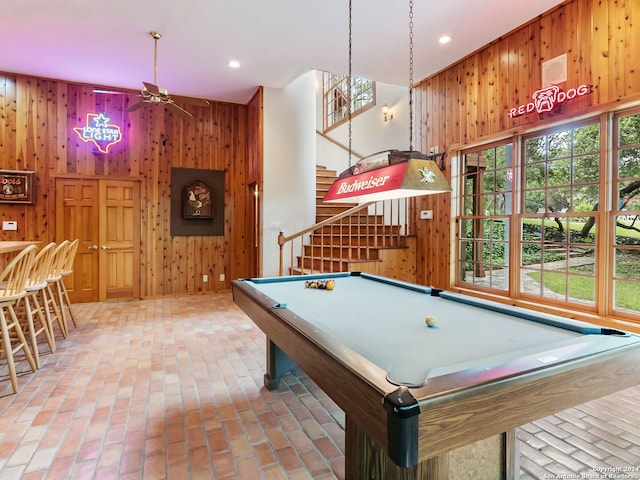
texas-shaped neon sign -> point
(98, 130)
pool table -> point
(439, 401)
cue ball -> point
(430, 320)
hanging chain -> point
(410, 75)
(349, 86)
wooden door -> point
(77, 217)
(105, 216)
(119, 239)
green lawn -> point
(625, 232)
(583, 288)
(580, 284)
(577, 226)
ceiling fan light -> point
(153, 94)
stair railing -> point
(338, 144)
(387, 213)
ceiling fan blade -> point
(151, 93)
(177, 109)
(151, 88)
(136, 106)
(198, 102)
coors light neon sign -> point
(549, 100)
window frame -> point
(604, 247)
(334, 82)
(599, 241)
(462, 217)
(613, 211)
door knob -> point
(104, 247)
(92, 247)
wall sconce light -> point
(388, 115)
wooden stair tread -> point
(332, 248)
(350, 260)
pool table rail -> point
(256, 303)
(465, 415)
(358, 389)
(455, 409)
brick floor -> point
(172, 389)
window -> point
(486, 205)
(561, 198)
(557, 221)
(625, 214)
(336, 98)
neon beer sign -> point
(548, 100)
(98, 130)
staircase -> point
(363, 241)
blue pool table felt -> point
(386, 325)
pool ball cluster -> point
(320, 284)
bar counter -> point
(8, 248)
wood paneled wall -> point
(467, 104)
(37, 117)
(253, 180)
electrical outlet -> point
(222, 277)
(205, 278)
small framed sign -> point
(197, 200)
(17, 186)
(200, 214)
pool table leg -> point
(495, 458)
(278, 364)
(511, 454)
(365, 461)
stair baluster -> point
(345, 234)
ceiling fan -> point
(151, 93)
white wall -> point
(292, 149)
(288, 202)
(369, 132)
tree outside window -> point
(337, 91)
(625, 214)
(559, 222)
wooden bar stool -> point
(54, 302)
(67, 269)
(33, 311)
(13, 280)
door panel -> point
(120, 239)
(77, 217)
(104, 215)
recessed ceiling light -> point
(234, 64)
(444, 39)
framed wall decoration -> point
(17, 186)
(197, 200)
